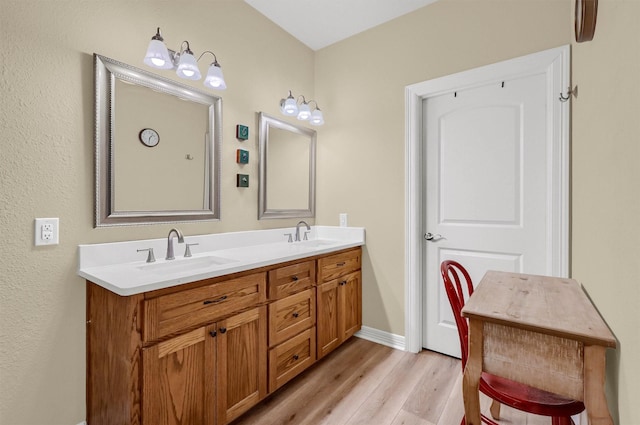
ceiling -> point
(319, 23)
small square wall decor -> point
(242, 132)
(242, 156)
(242, 180)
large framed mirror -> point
(287, 169)
(157, 148)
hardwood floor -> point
(370, 384)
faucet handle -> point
(150, 258)
(290, 240)
(187, 250)
(306, 238)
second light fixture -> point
(301, 109)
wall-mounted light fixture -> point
(301, 109)
(183, 61)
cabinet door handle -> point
(213, 334)
(294, 278)
(222, 298)
(223, 330)
(340, 264)
(295, 357)
(295, 314)
(343, 282)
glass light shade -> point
(188, 67)
(304, 112)
(214, 78)
(289, 107)
(158, 56)
(316, 117)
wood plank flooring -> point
(364, 383)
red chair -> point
(501, 390)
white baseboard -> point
(382, 337)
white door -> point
(487, 189)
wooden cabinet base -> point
(206, 353)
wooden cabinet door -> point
(179, 380)
(328, 332)
(242, 363)
(350, 305)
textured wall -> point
(46, 156)
(361, 82)
(606, 189)
(46, 164)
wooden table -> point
(541, 331)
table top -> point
(550, 305)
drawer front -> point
(172, 313)
(334, 266)
(291, 357)
(288, 280)
(291, 315)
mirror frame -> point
(106, 72)
(266, 122)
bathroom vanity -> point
(204, 346)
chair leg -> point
(495, 410)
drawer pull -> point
(213, 334)
(343, 282)
(296, 357)
(222, 298)
(294, 278)
(295, 314)
(341, 264)
(223, 330)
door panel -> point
(486, 186)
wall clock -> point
(585, 23)
(149, 137)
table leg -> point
(594, 397)
(472, 372)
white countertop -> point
(119, 268)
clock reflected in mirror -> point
(149, 137)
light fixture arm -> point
(317, 107)
(215, 59)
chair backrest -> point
(453, 284)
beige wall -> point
(46, 164)
(606, 188)
(360, 83)
(46, 158)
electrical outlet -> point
(46, 231)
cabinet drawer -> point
(334, 266)
(291, 357)
(291, 279)
(291, 315)
(172, 313)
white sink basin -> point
(185, 264)
(318, 243)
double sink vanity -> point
(200, 339)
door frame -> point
(555, 63)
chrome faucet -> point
(298, 229)
(177, 233)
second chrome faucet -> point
(172, 233)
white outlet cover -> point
(42, 237)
